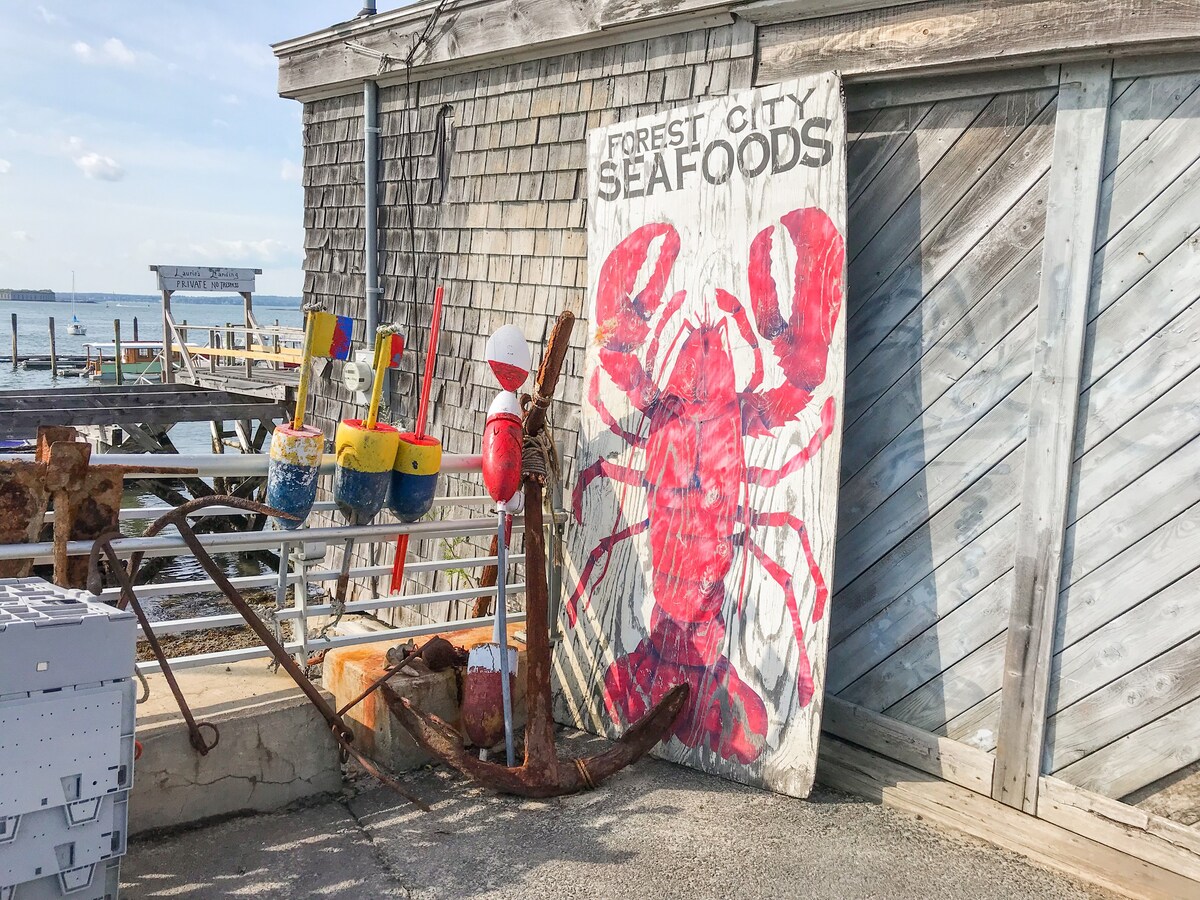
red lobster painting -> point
(697, 480)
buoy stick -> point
(430, 360)
(377, 386)
(500, 636)
(397, 584)
(305, 368)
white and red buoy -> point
(508, 355)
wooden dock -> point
(130, 407)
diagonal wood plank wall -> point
(948, 195)
(947, 209)
(1124, 706)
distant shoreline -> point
(272, 300)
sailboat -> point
(76, 327)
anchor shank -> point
(539, 728)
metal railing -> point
(301, 554)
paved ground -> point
(656, 830)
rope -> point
(145, 686)
(581, 766)
(540, 462)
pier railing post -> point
(53, 352)
(248, 320)
(117, 350)
(168, 374)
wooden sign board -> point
(205, 279)
(705, 505)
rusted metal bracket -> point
(178, 518)
(544, 773)
(86, 498)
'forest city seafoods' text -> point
(775, 137)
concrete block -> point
(275, 748)
(377, 733)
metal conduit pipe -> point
(228, 542)
(371, 202)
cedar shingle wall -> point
(507, 236)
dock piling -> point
(53, 352)
(14, 341)
(117, 350)
(168, 374)
(135, 329)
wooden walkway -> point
(22, 411)
(265, 383)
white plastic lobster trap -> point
(66, 741)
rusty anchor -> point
(544, 773)
(126, 576)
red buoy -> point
(502, 448)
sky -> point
(135, 133)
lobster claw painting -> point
(705, 500)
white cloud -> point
(21, 236)
(112, 52)
(231, 99)
(290, 171)
(5, 167)
(102, 168)
(222, 252)
(50, 18)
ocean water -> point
(33, 338)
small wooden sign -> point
(205, 279)
(705, 505)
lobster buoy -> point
(507, 352)
(483, 696)
(363, 473)
(414, 476)
(293, 470)
(502, 448)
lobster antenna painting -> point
(704, 506)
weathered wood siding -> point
(948, 195)
(1124, 706)
(946, 218)
(503, 228)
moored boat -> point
(138, 358)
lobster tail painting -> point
(705, 503)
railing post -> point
(300, 599)
(117, 370)
(168, 374)
(53, 352)
(248, 318)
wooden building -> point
(1015, 644)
